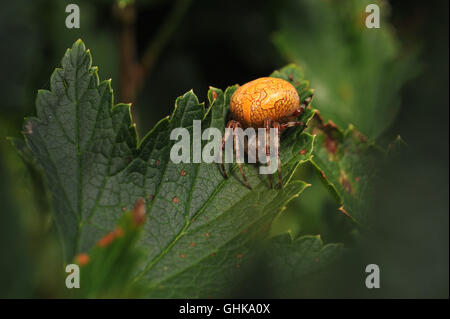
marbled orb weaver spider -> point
(264, 103)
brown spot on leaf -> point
(345, 182)
(347, 185)
(315, 131)
(175, 200)
(329, 127)
(124, 209)
(330, 144)
(361, 136)
(331, 130)
(29, 128)
(318, 117)
(207, 235)
(192, 244)
(239, 256)
(302, 152)
(106, 240)
(139, 212)
(214, 95)
(183, 172)
(157, 162)
(183, 256)
(118, 232)
(357, 178)
(82, 259)
(291, 78)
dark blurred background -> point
(387, 82)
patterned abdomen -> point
(264, 98)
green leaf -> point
(291, 260)
(215, 274)
(96, 168)
(81, 142)
(347, 163)
(107, 270)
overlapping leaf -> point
(293, 259)
(347, 163)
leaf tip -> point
(79, 44)
(342, 210)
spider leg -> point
(302, 107)
(227, 134)
(277, 141)
(299, 111)
(267, 124)
(236, 151)
(307, 101)
(291, 124)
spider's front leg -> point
(267, 126)
(236, 151)
(280, 128)
(291, 124)
(233, 125)
(230, 124)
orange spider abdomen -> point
(264, 98)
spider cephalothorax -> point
(264, 103)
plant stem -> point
(128, 66)
(133, 73)
(164, 33)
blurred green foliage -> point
(108, 268)
(357, 73)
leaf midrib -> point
(199, 260)
(182, 232)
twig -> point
(133, 73)
(165, 32)
(128, 66)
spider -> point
(264, 103)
